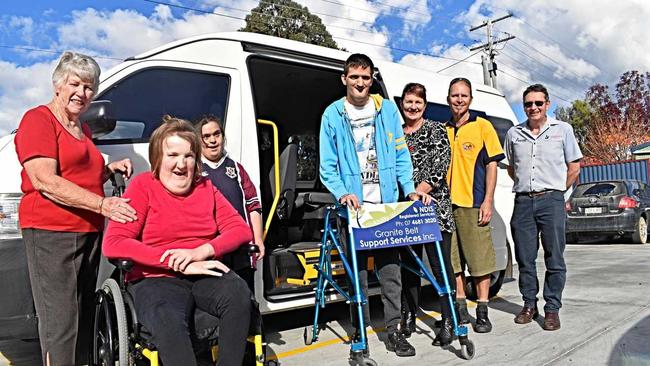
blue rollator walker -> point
(330, 241)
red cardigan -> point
(167, 221)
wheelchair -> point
(118, 338)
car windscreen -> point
(599, 189)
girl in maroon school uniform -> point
(235, 184)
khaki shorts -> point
(472, 244)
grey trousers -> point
(63, 271)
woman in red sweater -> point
(184, 226)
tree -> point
(290, 20)
(608, 125)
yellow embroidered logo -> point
(468, 146)
(390, 137)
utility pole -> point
(489, 65)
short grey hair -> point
(72, 63)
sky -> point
(567, 45)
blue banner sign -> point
(380, 226)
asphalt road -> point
(605, 321)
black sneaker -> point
(446, 333)
(398, 344)
(483, 324)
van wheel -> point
(571, 238)
(496, 281)
(640, 235)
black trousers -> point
(165, 306)
(63, 272)
(411, 281)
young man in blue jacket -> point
(364, 158)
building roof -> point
(641, 148)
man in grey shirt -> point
(543, 159)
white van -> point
(270, 92)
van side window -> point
(441, 113)
(140, 101)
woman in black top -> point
(431, 155)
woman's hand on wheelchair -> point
(208, 268)
(179, 259)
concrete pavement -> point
(605, 321)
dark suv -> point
(617, 208)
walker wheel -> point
(308, 335)
(367, 362)
(467, 350)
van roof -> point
(300, 47)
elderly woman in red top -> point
(63, 208)
(184, 225)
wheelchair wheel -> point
(111, 346)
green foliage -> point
(579, 114)
(290, 20)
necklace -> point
(416, 126)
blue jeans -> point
(531, 216)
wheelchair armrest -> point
(124, 265)
(319, 198)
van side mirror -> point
(100, 118)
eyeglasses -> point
(538, 103)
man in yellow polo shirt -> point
(475, 151)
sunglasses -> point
(538, 103)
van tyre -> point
(571, 238)
(640, 235)
(496, 281)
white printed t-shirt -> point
(362, 120)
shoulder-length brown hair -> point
(179, 127)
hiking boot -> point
(446, 333)
(398, 344)
(483, 324)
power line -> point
(335, 37)
(328, 15)
(520, 75)
(35, 49)
(249, 11)
(529, 83)
(564, 47)
(373, 12)
(459, 61)
(547, 67)
(552, 60)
